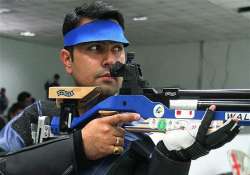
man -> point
(25, 99)
(14, 110)
(3, 101)
(93, 41)
(54, 83)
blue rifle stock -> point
(148, 109)
(163, 108)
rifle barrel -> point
(221, 105)
(210, 93)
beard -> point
(111, 88)
(107, 87)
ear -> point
(66, 60)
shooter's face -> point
(92, 61)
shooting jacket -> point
(65, 155)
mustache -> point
(102, 72)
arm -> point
(154, 159)
(160, 164)
(17, 133)
(59, 155)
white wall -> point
(225, 64)
(27, 66)
(170, 65)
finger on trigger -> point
(122, 118)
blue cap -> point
(97, 30)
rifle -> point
(162, 110)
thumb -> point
(205, 123)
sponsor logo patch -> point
(65, 93)
(158, 110)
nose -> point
(109, 58)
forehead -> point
(87, 20)
(100, 43)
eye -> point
(94, 47)
(118, 48)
